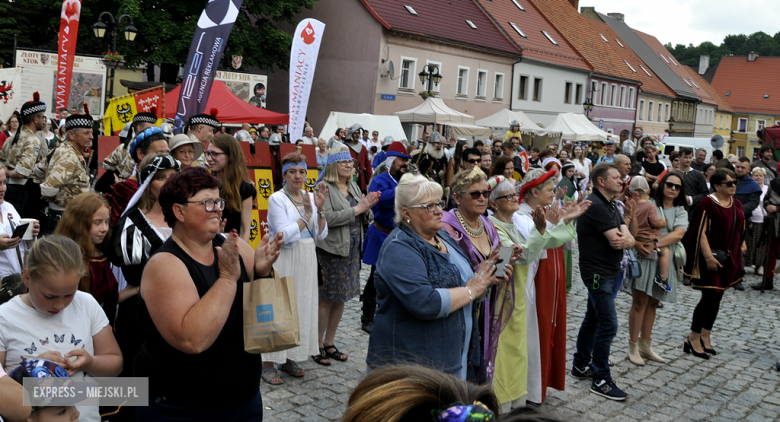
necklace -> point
(438, 243)
(469, 231)
(290, 196)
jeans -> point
(249, 411)
(598, 328)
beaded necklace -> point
(290, 196)
(469, 231)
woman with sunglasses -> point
(478, 239)
(546, 281)
(296, 213)
(714, 245)
(669, 203)
(428, 315)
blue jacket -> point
(384, 213)
(412, 324)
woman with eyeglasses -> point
(426, 288)
(346, 212)
(227, 163)
(669, 204)
(714, 244)
(478, 238)
(191, 309)
(546, 282)
(296, 213)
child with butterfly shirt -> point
(56, 321)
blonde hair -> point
(410, 190)
(332, 171)
(466, 178)
(758, 170)
(55, 254)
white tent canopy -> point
(462, 129)
(385, 125)
(576, 127)
(434, 111)
(502, 120)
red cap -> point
(397, 149)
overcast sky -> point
(694, 21)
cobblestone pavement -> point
(740, 383)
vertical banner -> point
(303, 60)
(206, 50)
(66, 49)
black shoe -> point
(367, 326)
(687, 348)
(706, 350)
(369, 309)
(582, 374)
(777, 365)
(766, 284)
(739, 286)
(608, 389)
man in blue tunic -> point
(397, 163)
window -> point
(578, 94)
(463, 81)
(740, 151)
(409, 8)
(613, 96)
(481, 83)
(760, 124)
(408, 73)
(620, 44)
(498, 86)
(549, 37)
(441, 71)
(622, 96)
(629, 66)
(594, 88)
(694, 83)
(660, 112)
(672, 60)
(742, 125)
(518, 5)
(630, 97)
(517, 29)
(674, 111)
(728, 122)
(720, 121)
(641, 112)
(604, 38)
(567, 94)
(604, 94)
(666, 112)
(650, 110)
(777, 122)
(523, 88)
(643, 68)
(537, 89)
(665, 59)
(471, 24)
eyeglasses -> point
(673, 186)
(474, 161)
(213, 154)
(429, 207)
(510, 197)
(730, 183)
(476, 194)
(209, 204)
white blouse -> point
(9, 261)
(283, 217)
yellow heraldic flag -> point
(119, 112)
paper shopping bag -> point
(270, 315)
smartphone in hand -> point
(504, 255)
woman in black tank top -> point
(191, 310)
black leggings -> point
(706, 311)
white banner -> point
(10, 92)
(249, 87)
(303, 59)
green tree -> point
(740, 45)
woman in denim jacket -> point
(425, 288)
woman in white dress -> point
(295, 213)
(10, 260)
(582, 164)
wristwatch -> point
(321, 214)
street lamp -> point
(430, 74)
(588, 106)
(99, 28)
(671, 124)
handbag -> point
(680, 256)
(634, 270)
(270, 315)
(13, 285)
(720, 255)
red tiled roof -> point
(583, 38)
(748, 82)
(441, 19)
(536, 46)
(721, 102)
(650, 84)
(673, 64)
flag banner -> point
(121, 110)
(10, 98)
(66, 49)
(208, 44)
(303, 59)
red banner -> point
(69, 31)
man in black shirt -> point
(601, 235)
(699, 163)
(651, 167)
(694, 181)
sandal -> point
(321, 359)
(269, 375)
(335, 354)
(292, 368)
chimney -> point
(704, 63)
(752, 56)
(575, 3)
(590, 12)
(618, 16)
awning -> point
(502, 121)
(577, 127)
(434, 111)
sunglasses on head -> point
(673, 186)
(476, 194)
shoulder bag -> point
(12, 285)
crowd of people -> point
(141, 267)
